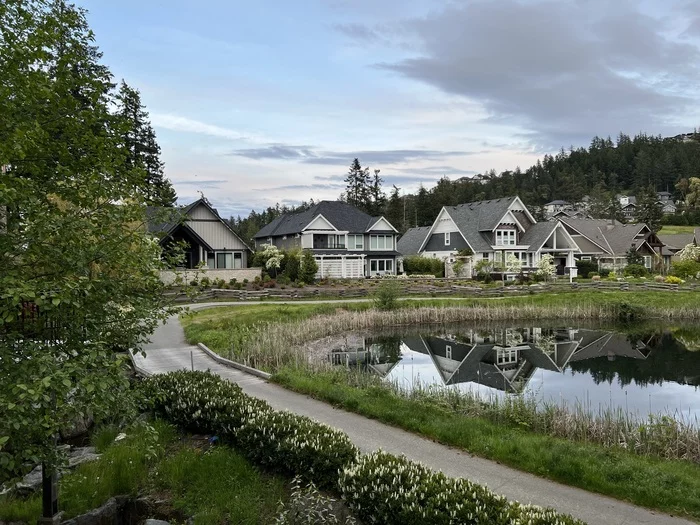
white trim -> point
(527, 212)
(430, 231)
(447, 238)
(320, 216)
(385, 220)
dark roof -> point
(342, 215)
(538, 234)
(476, 217)
(677, 240)
(411, 241)
(614, 236)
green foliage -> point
(387, 294)
(307, 506)
(309, 267)
(382, 488)
(202, 402)
(420, 265)
(634, 257)
(293, 264)
(80, 275)
(635, 270)
(685, 269)
(586, 268)
(672, 279)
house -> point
(556, 206)
(209, 239)
(492, 230)
(345, 241)
(608, 241)
(674, 243)
(629, 211)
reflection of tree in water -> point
(385, 349)
(668, 360)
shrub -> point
(232, 281)
(586, 268)
(418, 264)
(205, 403)
(685, 269)
(307, 506)
(205, 282)
(309, 267)
(293, 265)
(245, 281)
(635, 270)
(193, 282)
(672, 279)
(604, 272)
(385, 298)
(382, 488)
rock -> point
(32, 481)
(81, 455)
(107, 514)
(155, 522)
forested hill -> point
(628, 165)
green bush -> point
(204, 403)
(604, 272)
(586, 268)
(309, 267)
(205, 282)
(292, 265)
(417, 264)
(685, 269)
(635, 270)
(382, 488)
(386, 295)
(672, 279)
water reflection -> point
(637, 369)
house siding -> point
(216, 234)
(436, 243)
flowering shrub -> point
(672, 279)
(203, 402)
(382, 488)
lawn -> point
(672, 230)
(212, 485)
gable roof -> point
(677, 240)
(538, 234)
(163, 221)
(613, 236)
(411, 241)
(343, 216)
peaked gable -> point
(381, 224)
(319, 223)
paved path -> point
(169, 351)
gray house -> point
(210, 240)
(493, 230)
(346, 242)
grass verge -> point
(213, 486)
(668, 486)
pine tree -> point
(648, 210)
(395, 210)
(143, 151)
(357, 190)
(378, 199)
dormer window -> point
(447, 238)
(505, 237)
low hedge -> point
(205, 403)
(382, 488)
(378, 487)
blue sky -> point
(262, 102)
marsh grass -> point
(605, 453)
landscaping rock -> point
(108, 514)
(155, 522)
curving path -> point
(169, 351)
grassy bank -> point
(665, 485)
(270, 336)
(213, 486)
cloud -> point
(311, 155)
(564, 70)
(187, 125)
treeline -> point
(247, 227)
(639, 165)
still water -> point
(641, 370)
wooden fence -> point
(441, 289)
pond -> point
(640, 370)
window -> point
(381, 266)
(506, 356)
(647, 261)
(381, 242)
(211, 262)
(225, 260)
(505, 237)
(356, 242)
(448, 352)
(447, 238)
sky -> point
(257, 103)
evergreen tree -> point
(395, 210)
(378, 199)
(358, 187)
(143, 151)
(648, 209)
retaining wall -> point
(168, 277)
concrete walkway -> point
(169, 351)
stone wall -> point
(168, 277)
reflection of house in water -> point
(379, 355)
(501, 359)
(504, 359)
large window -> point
(227, 260)
(381, 242)
(447, 238)
(381, 266)
(356, 242)
(505, 237)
